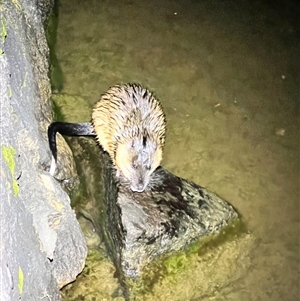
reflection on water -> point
(227, 77)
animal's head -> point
(136, 159)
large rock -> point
(166, 217)
(138, 228)
(42, 246)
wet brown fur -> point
(129, 123)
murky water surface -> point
(227, 75)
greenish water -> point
(227, 75)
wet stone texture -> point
(42, 245)
(169, 215)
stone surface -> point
(168, 216)
(42, 246)
(140, 227)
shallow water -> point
(227, 75)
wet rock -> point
(168, 216)
(140, 227)
(42, 246)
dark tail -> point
(67, 129)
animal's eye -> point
(134, 166)
(148, 167)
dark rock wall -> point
(42, 246)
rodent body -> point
(129, 124)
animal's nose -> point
(140, 186)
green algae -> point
(55, 71)
(20, 280)
(9, 153)
(168, 268)
(3, 34)
(96, 282)
(3, 30)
